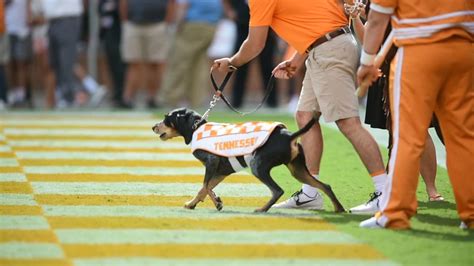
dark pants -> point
(111, 38)
(63, 38)
(266, 66)
(3, 84)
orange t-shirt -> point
(417, 22)
(298, 22)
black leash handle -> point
(220, 91)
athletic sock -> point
(90, 84)
(379, 180)
(309, 190)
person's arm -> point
(375, 29)
(123, 10)
(250, 48)
(170, 12)
(359, 28)
(228, 10)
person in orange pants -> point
(433, 71)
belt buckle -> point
(328, 36)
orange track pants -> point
(425, 78)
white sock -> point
(379, 181)
(309, 190)
(90, 84)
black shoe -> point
(152, 104)
(124, 105)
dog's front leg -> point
(198, 198)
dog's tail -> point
(303, 129)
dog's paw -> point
(189, 205)
(260, 210)
(219, 204)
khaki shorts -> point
(144, 43)
(330, 80)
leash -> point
(220, 89)
(217, 94)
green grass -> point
(435, 237)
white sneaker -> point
(371, 207)
(464, 226)
(300, 200)
(97, 97)
(371, 223)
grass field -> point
(435, 238)
(101, 189)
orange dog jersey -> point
(232, 140)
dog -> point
(280, 147)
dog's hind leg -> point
(300, 171)
(263, 174)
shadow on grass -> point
(451, 224)
(438, 220)
(341, 218)
(455, 236)
(436, 205)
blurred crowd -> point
(164, 47)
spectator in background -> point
(21, 52)
(145, 43)
(111, 34)
(64, 19)
(3, 57)
(188, 68)
(241, 15)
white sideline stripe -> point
(113, 170)
(79, 132)
(142, 188)
(17, 250)
(97, 144)
(147, 261)
(82, 122)
(5, 148)
(23, 222)
(12, 177)
(5, 162)
(151, 156)
(169, 212)
(145, 236)
(17, 199)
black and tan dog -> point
(281, 147)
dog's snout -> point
(153, 128)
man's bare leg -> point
(428, 168)
(131, 83)
(363, 143)
(370, 155)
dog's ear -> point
(183, 121)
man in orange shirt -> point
(433, 71)
(319, 33)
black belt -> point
(328, 36)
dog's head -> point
(179, 122)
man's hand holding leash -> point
(288, 68)
(223, 65)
